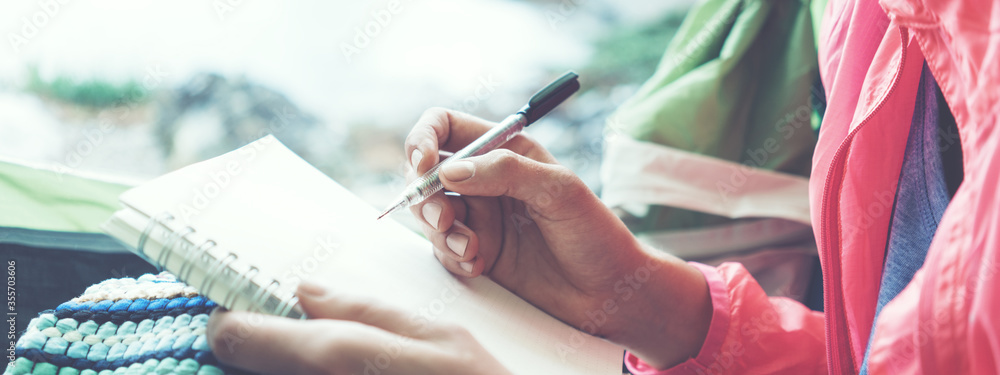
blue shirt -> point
(921, 198)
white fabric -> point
(732, 238)
(780, 271)
(779, 253)
(643, 173)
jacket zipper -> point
(833, 303)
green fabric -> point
(49, 200)
(737, 78)
(817, 7)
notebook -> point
(246, 227)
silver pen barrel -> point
(540, 104)
(430, 182)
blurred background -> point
(132, 89)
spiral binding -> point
(288, 307)
(141, 246)
(241, 283)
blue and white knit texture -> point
(150, 325)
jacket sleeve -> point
(750, 333)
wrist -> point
(664, 310)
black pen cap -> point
(551, 96)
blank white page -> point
(278, 213)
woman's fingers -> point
(549, 190)
(459, 206)
(342, 332)
(436, 213)
(460, 243)
(521, 169)
(488, 218)
(318, 303)
(459, 248)
(440, 129)
(333, 343)
(344, 335)
(471, 268)
(274, 345)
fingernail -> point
(415, 158)
(466, 266)
(457, 242)
(215, 315)
(213, 321)
(432, 212)
(459, 170)
(310, 289)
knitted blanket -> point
(150, 325)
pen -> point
(540, 104)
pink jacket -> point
(947, 320)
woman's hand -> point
(345, 336)
(532, 226)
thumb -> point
(551, 190)
(319, 303)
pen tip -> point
(391, 209)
